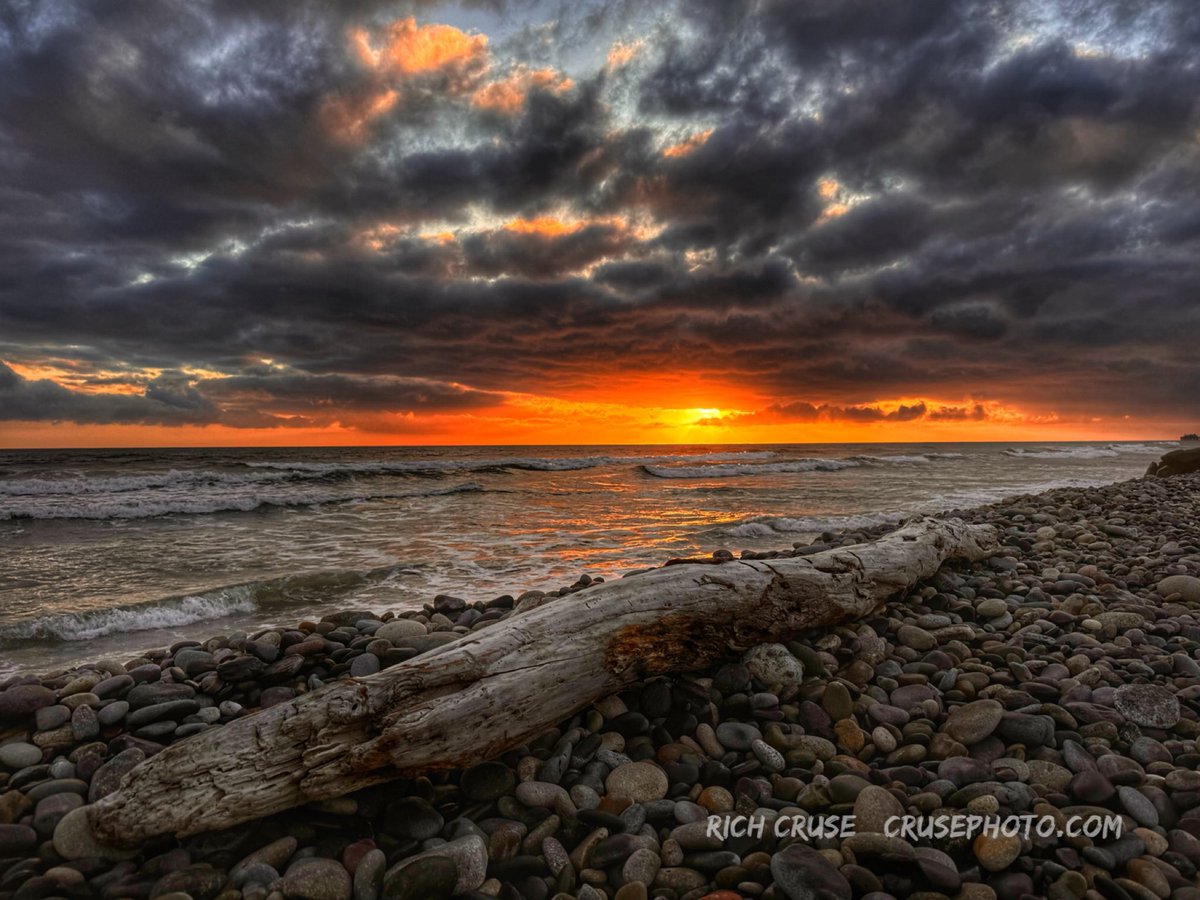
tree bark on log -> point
(498, 688)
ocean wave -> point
(1090, 451)
(965, 498)
(278, 472)
(525, 463)
(1061, 452)
(123, 506)
(174, 612)
(795, 466)
(120, 484)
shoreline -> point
(867, 726)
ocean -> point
(109, 552)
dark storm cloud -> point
(832, 203)
(781, 413)
(176, 398)
(166, 401)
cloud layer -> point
(305, 214)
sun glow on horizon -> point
(647, 408)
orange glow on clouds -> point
(544, 226)
(412, 49)
(347, 118)
(621, 409)
(403, 52)
(85, 382)
(622, 52)
(684, 147)
(507, 95)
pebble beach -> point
(1060, 679)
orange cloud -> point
(84, 379)
(543, 226)
(831, 191)
(380, 236)
(346, 118)
(405, 51)
(622, 52)
(412, 49)
(683, 148)
(828, 188)
(507, 95)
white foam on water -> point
(130, 505)
(1090, 451)
(530, 463)
(203, 606)
(795, 466)
(98, 623)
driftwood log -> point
(496, 689)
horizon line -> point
(3, 449)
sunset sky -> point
(300, 222)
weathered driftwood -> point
(499, 687)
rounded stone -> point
(642, 866)
(275, 854)
(413, 818)
(1090, 786)
(640, 782)
(1138, 805)
(883, 739)
(873, 807)
(991, 608)
(773, 665)
(364, 665)
(23, 699)
(802, 873)
(469, 855)
(316, 879)
(112, 713)
(50, 811)
(399, 629)
(972, 722)
(50, 717)
(432, 878)
(74, 839)
(368, 876)
(1148, 705)
(19, 755)
(917, 638)
(836, 701)
(1187, 586)
(996, 852)
(737, 736)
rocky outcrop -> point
(1176, 462)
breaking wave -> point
(526, 463)
(123, 506)
(1089, 451)
(795, 466)
(175, 612)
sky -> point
(296, 222)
